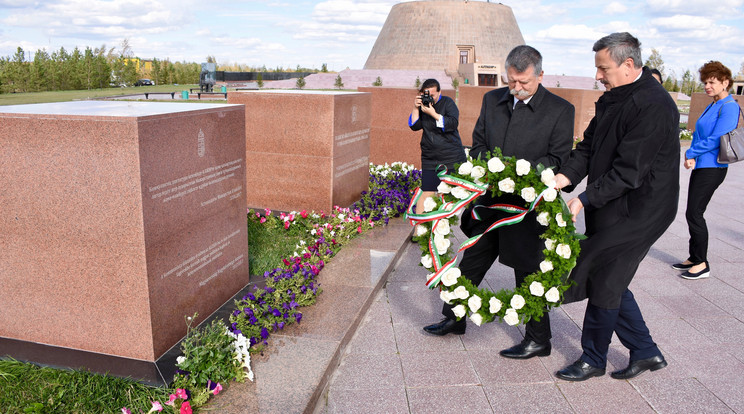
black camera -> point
(426, 99)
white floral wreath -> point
(542, 289)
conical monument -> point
(468, 39)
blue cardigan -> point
(719, 118)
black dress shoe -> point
(446, 326)
(682, 266)
(697, 275)
(636, 368)
(527, 349)
(579, 371)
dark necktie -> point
(519, 104)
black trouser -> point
(626, 321)
(475, 263)
(703, 183)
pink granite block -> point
(698, 102)
(583, 101)
(120, 218)
(391, 139)
(469, 101)
(305, 149)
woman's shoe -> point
(697, 275)
(682, 266)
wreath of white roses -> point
(542, 289)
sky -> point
(341, 33)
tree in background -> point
(655, 61)
(417, 84)
(300, 82)
(324, 68)
(689, 84)
(339, 84)
(455, 83)
(259, 80)
(377, 82)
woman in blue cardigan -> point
(720, 117)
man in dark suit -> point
(630, 156)
(527, 122)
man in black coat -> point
(630, 156)
(527, 122)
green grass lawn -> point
(64, 96)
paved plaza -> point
(361, 349)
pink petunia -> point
(125, 410)
(263, 220)
(181, 393)
(185, 408)
(286, 224)
(359, 229)
(171, 400)
(303, 214)
(156, 406)
(217, 389)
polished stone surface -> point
(119, 219)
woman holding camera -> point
(437, 115)
(719, 117)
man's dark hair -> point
(428, 84)
(522, 57)
(621, 46)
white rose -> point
(552, 295)
(450, 277)
(443, 227)
(528, 194)
(563, 250)
(506, 185)
(559, 219)
(421, 230)
(478, 172)
(474, 303)
(511, 317)
(441, 243)
(477, 319)
(546, 266)
(547, 175)
(517, 302)
(523, 167)
(459, 311)
(536, 288)
(429, 204)
(460, 193)
(543, 218)
(443, 188)
(446, 296)
(461, 293)
(427, 261)
(550, 194)
(494, 305)
(495, 165)
(465, 168)
(549, 244)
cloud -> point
(348, 12)
(561, 32)
(692, 7)
(615, 8)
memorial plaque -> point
(308, 150)
(119, 219)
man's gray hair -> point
(522, 57)
(621, 46)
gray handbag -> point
(731, 149)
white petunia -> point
(552, 295)
(546, 176)
(465, 168)
(563, 250)
(495, 165)
(180, 360)
(550, 194)
(477, 319)
(507, 185)
(517, 302)
(443, 188)
(474, 303)
(523, 167)
(477, 172)
(427, 261)
(443, 227)
(559, 220)
(461, 293)
(549, 244)
(511, 317)
(429, 204)
(421, 230)
(528, 194)
(537, 289)
(460, 193)
(459, 311)
(546, 266)
(441, 243)
(450, 277)
(543, 218)
(494, 305)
